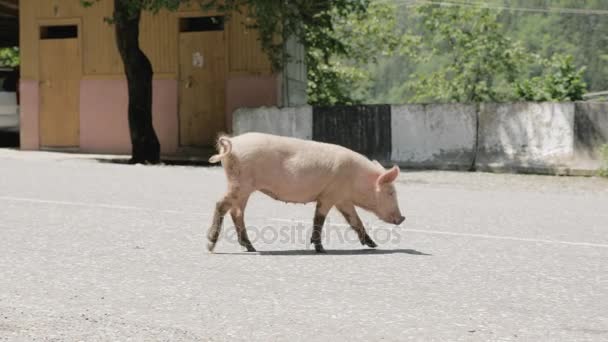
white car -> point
(9, 108)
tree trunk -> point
(144, 142)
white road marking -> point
(512, 238)
(78, 204)
(421, 231)
(482, 236)
(95, 205)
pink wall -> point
(250, 91)
(28, 114)
(103, 111)
(104, 126)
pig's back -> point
(291, 169)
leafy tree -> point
(138, 69)
(337, 54)
(328, 29)
(581, 35)
(562, 82)
(9, 57)
(275, 21)
(541, 36)
(482, 61)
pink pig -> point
(302, 171)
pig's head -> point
(387, 206)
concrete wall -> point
(536, 137)
(590, 133)
(552, 138)
(250, 91)
(291, 121)
(364, 129)
(434, 136)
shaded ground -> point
(9, 139)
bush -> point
(9, 57)
(562, 82)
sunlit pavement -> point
(98, 251)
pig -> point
(302, 171)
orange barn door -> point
(202, 69)
(60, 73)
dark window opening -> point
(199, 24)
(59, 32)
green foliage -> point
(321, 26)
(482, 61)
(539, 36)
(9, 57)
(579, 35)
(312, 23)
(335, 56)
(604, 156)
(562, 82)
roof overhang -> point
(9, 23)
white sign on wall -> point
(197, 60)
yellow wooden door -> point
(202, 87)
(60, 73)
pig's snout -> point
(398, 219)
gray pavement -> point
(96, 251)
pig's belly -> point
(293, 188)
(294, 182)
(290, 194)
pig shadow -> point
(333, 252)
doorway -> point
(60, 69)
(202, 75)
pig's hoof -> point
(370, 243)
(319, 249)
(248, 248)
(210, 246)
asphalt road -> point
(104, 252)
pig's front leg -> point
(351, 216)
(320, 214)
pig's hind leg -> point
(351, 216)
(221, 208)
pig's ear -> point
(388, 176)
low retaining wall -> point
(365, 129)
(552, 138)
(590, 133)
(536, 137)
(292, 122)
(434, 136)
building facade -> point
(74, 92)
